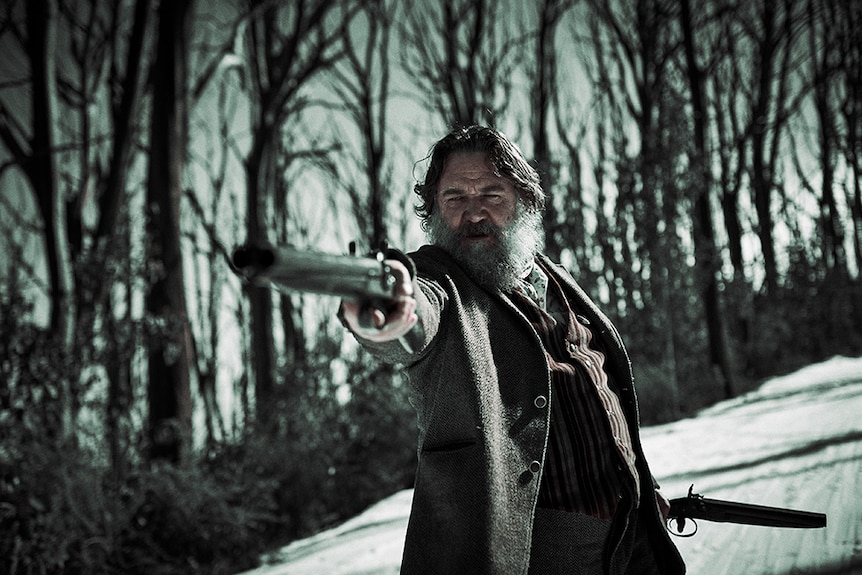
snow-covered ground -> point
(795, 442)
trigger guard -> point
(676, 532)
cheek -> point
(450, 217)
(503, 215)
(442, 212)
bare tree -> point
(101, 85)
(363, 91)
(544, 96)
(170, 345)
(724, 83)
(706, 250)
(461, 56)
(211, 271)
(607, 128)
(849, 32)
(216, 106)
(823, 56)
(770, 26)
(288, 46)
(644, 141)
(33, 149)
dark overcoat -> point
(481, 387)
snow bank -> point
(794, 442)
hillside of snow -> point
(795, 442)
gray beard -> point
(500, 265)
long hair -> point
(506, 158)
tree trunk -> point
(730, 145)
(824, 45)
(762, 175)
(544, 84)
(706, 252)
(169, 362)
(41, 171)
(852, 113)
(851, 68)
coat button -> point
(540, 401)
(535, 466)
(582, 320)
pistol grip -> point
(366, 312)
(411, 341)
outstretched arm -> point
(391, 323)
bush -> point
(187, 521)
(64, 510)
(62, 514)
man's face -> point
(481, 223)
(471, 198)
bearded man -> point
(530, 459)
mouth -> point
(474, 239)
(477, 233)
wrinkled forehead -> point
(469, 168)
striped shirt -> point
(590, 455)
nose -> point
(474, 211)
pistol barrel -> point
(292, 269)
(698, 507)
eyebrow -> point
(452, 190)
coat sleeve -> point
(430, 306)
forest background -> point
(159, 416)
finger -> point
(402, 313)
(399, 321)
(403, 282)
(379, 318)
